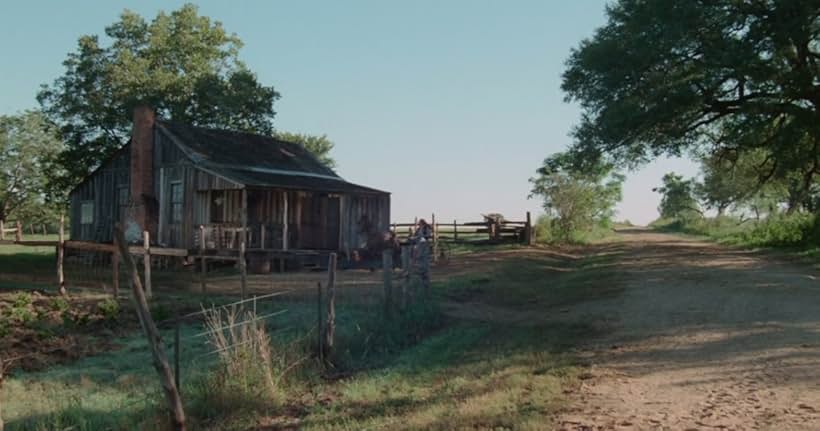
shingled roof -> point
(256, 160)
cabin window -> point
(87, 212)
(176, 202)
(217, 206)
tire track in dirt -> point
(704, 337)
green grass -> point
(499, 363)
(27, 267)
(796, 235)
(483, 352)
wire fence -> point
(118, 376)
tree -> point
(320, 146)
(678, 197)
(183, 64)
(576, 200)
(669, 76)
(28, 146)
(739, 181)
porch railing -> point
(225, 236)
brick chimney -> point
(142, 170)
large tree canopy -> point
(720, 76)
(28, 146)
(183, 64)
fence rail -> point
(495, 230)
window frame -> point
(86, 218)
(176, 202)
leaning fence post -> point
(146, 262)
(61, 257)
(330, 327)
(152, 334)
(387, 267)
(176, 357)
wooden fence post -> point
(18, 234)
(406, 250)
(2, 230)
(115, 266)
(319, 327)
(146, 262)
(434, 249)
(152, 334)
(202, 261)
(455, 231)
(61, 257)
(243, 272)
(387, 267)
(176, 357)
(330, 326)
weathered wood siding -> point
(358, 211)
(101, 188)
(171, 166)
(316, 220)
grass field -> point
(485, 352)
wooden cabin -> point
(194, 187)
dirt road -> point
(703, 337)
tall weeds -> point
(245, 377)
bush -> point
(59, 304)
(781, 231)
(109, 308)
(547, 232)
(778, 230)
(543, 229)
(22, 300)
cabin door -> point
(321, 222)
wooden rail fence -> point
(522, 231)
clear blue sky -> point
(451, 106)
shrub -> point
(781, 230)
(109, 308)
(59, 304)
(543, 229)
(22, 300)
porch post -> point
(243, 217)
(284, 220)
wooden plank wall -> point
(100, 187)
(308, 221)
(356, 208)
